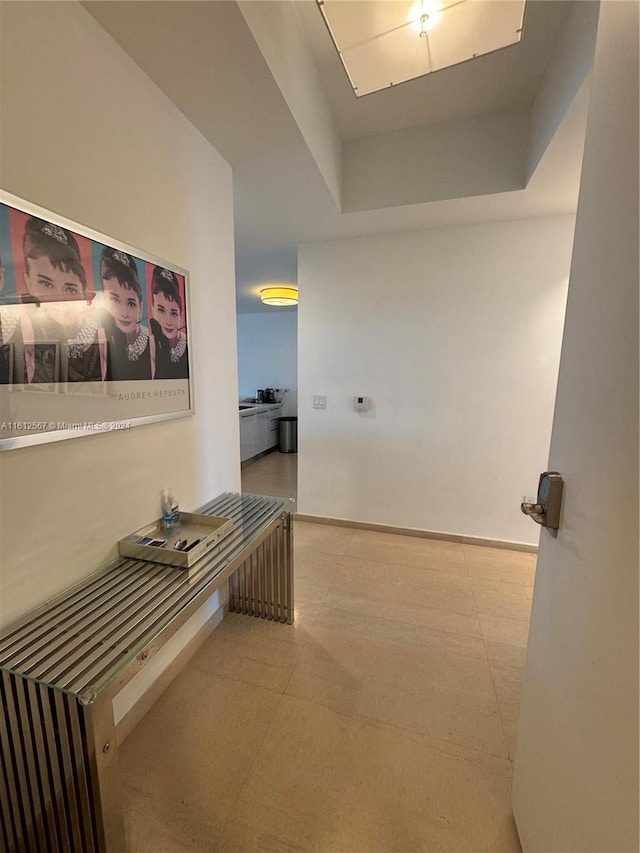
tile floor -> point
(383, 720)
(274, 474)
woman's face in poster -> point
(53, 287)
(123, 304)
(167, 313)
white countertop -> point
(255, 408)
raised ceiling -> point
(238, 83)
(507, 78)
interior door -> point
(576, 768)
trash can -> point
(288, 435)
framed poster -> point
(94, 334)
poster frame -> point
(35, 437)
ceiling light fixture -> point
(279, 295)
(424, 16)
(377, 45)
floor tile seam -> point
(280, 644)
(158, 812)
(492, 639)
(256, 634)
(499, 608)
(302, 554)
(306, 644)
(243, 785)
(418, 624)
(449, 692)
(401, 565)
(497, 601)
(294, 668)
(494, 661)
(398, 580)
(488, 695)
(495, 613)
(507, 618)
(498, 703)
(508, 669)
(502, 723)
(248, 822)
(439, 744)
(320, 551)
(269, 666)
(418, 644)
(303, 643)
(510, 583)
(452, 658)
(315, 576)
(488, 568)
(504, 702)
(484, 580)
(422, 602)
(333, 580)
(493, 680)
(237, 679)
(280, 647)
(285, 642)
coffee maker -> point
(269, 395)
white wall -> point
(455, 335)
(571, 62)
(87, 135)
(280, 35)
(268, 355)
(576, 769)
(473, 156)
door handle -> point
(546, 509)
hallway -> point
(274, 474)
(383, 719)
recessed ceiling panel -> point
(471, 29)
(353, 22)
(397, 55)
(387, 42)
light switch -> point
(319, 401)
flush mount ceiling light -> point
(387, 42)
(279, 295)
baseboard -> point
(421, 534)
(131, 719)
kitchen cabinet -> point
(262, 441)
(259, 427)
(248, 435)
(275, 414)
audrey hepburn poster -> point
(99, 330)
